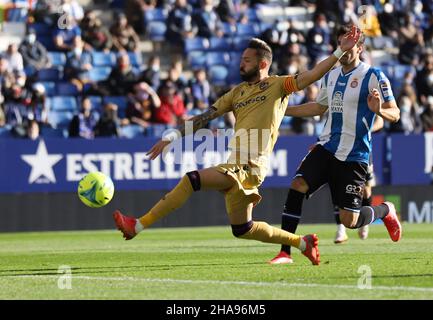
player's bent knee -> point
(299, 184)
(194, 178)
(348, 220)
(239, 230)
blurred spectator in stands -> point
(152, 73)
(318, 39)
(124, 36)
(428, 33)
(134, 10)
(108, 124)
(14, 58)
(141, 104)
(46, 12)
(201, 90)
(65, 36)
(179, 23)
(412, 50)
(427, 115)
(348, 13)
(5, 77)
(32, 130)
(2, 117)
(33, 52)
(328, 8)
(369, 22)
(37, 108)
(94, 33)
(122, 77)
(172, 109)
(15, 106)
(410, 121)
(207, 20)
(82, 124)
(226, 11)
(305, 126)
(388, 20)
(181, 84)
(424, 79)
(78, 64)
(73, 9)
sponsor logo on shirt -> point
(337, 102)
(383, 84)
(249, 101)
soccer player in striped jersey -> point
(356, 93)
(258, 104)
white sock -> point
(302, 245)
(138, 226)
(341, 228)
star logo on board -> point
(42, 164)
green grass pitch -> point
(208, 263)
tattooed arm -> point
(198, 122)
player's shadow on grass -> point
(99, 270)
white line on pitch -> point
(240, 283)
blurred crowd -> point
(168, 94)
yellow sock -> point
(171, 201)
(262, 231)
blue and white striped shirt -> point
(347, 131)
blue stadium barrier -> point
(5, 132)
(62, 103)
(49, 132)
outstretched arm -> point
(308, 77)
(198, 122)
(309, 109)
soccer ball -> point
(95, 189)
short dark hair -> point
(264, 51)
(342, 30)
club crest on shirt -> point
(263, 85)
(354, 83)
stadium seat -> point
(156, 30)
(156, 130)
(196, 44)
(17, 14)
(61, 103)
(246, 30)
(60, 119)
(50, 88)
(240, 43)
(135, 59)
(218, 75)
(220, 44)
(217, 58)
(49, 132)
(96, 103)
(229, 30)
(197, 59)
(131, 131)
(51, 74)
(57, 59)
(252, 15)
(382, 42)
(103, 59)
(400, 70)
(66, 89)
(120, 101)
(97, 74)
(156, 14)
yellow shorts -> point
(245, 189)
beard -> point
(250, 75)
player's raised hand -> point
(350, 38)
(374, 101)
(157, 149)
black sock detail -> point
(194, 178)
(291, 214)
(240, 229)
(366, 201)
(337, 216)
(366, 216)
(380, 211)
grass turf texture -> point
(208, 263)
